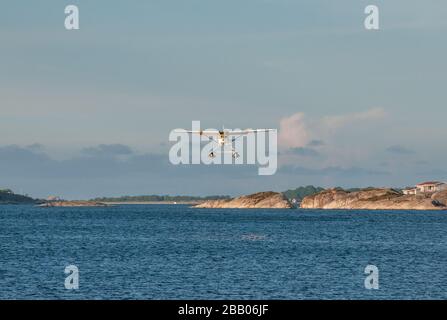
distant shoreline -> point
(150, 202)
(80, 203)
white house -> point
(53, 198)
(426, 187)
(409, 191)
(430, 187)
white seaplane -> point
(224, 138)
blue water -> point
(174, 252)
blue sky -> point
(73, 102)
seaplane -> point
(224, 137)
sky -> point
(87, 113)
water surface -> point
(175, 252)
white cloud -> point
(293, 131)
(335, 122)
(296, 131)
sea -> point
(178, 252)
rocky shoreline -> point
(375, 199)
(368, 199)
(52, 204)
(258, 200)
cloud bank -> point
(296, 131)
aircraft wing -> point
(246, 131)
(200, 132)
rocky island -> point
(258, 200)
(7, 196)
(51, 204)
(375, 199)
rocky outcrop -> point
(440, 198)
(72, 204)
(258, 200)
(9, 197)
(373, 199)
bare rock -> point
(72, 204)
(440, 198)
(374, 199)
(258, 200)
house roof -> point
(429, 183)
